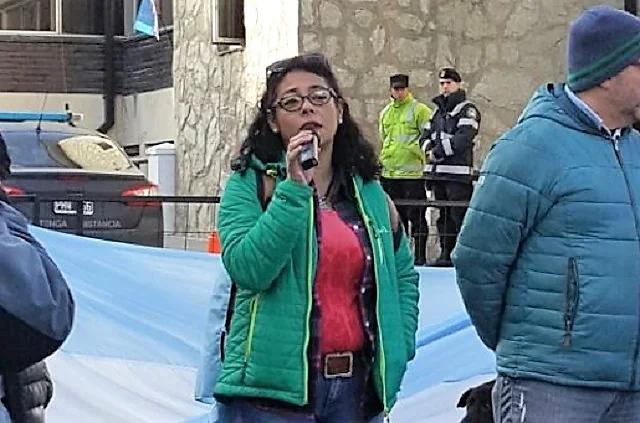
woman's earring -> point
(340, 120)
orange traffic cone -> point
(213, 246)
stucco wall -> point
(217, 89)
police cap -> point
(450, 73)
(399, 81)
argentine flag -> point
(147, 19)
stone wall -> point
(503, 48)
(217, 89)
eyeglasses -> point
(317, 97)
(282, 65)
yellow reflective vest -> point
(401, 123)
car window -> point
(94, 153)
(60, 150)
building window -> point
(56, 16)
(83, 17)
(28, 15)
(165, 12)
(228, 21)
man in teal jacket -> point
(548, 260)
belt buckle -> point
(344, 355)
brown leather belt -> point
(338, 365)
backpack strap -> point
(268, 184)
(396, 224)
(265, 184)
(394, 216)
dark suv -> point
(57, 169)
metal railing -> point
(187, 221)
(439, 211)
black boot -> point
(420, 245)
(443, 261)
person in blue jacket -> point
(36, 314)
(548, 259)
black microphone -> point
(309, 152)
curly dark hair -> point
(352, 153)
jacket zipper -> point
(305, 358)
(253, 309)
(616, 147)
(376, 256)
(571, 300)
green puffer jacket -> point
(271, 256)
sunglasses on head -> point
(280, 66)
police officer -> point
(401, 123)
(449, 141)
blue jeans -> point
(337, 400)
(530, 401)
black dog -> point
(477, 401)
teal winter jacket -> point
(548, 259)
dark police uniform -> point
(449, 136)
